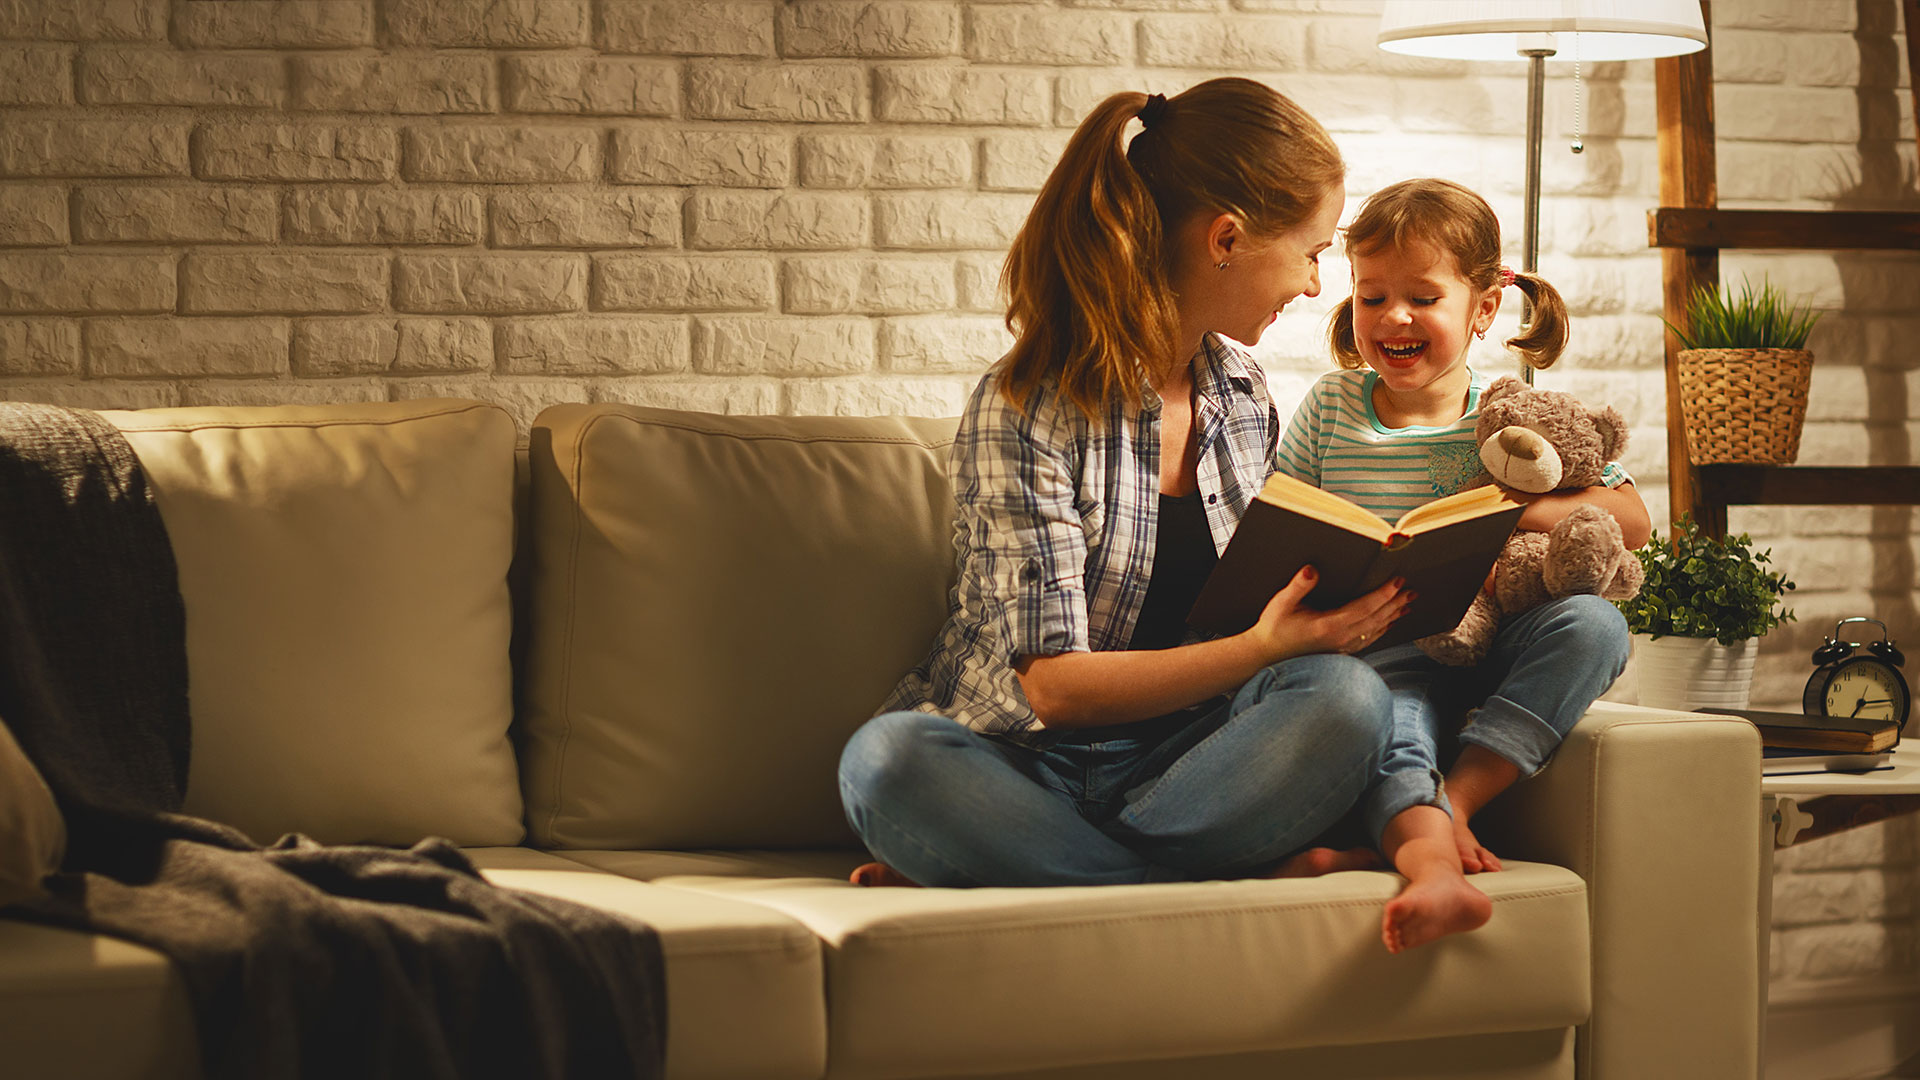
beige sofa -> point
(702, 608)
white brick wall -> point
(801, 206)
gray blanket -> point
(301, 960)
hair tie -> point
(1153, 110)
(1506, 276)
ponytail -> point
(1346, 352)
(1544, 337)
(1088, 297)
(1088, 279)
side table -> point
(1809, 805)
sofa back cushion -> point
(345, 576)
(717, 603)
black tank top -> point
(1183, 557)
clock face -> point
(1866, 688)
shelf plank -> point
(1809, 485)
(1683, 96)
(1910, 18)
(1811, 230)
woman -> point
(1067, 728)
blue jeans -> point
(1545, 668)
(1226, 793)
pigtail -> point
(1544, 337)
(1088, 296)
(1346, 352)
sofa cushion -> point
(732, 967)
(90, 1007)
(744, 986)
(1085, 975)
(32, 834)
(717, 603)
(345, 576)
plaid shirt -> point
(1055, 522)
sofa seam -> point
(578, 477)
(268, 425)
(1550, 893)
(895, 440)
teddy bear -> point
(1538, 441)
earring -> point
(1481, 333)
(1220, 266)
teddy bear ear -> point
(1612, 429)
(1504, 386)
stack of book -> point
(1791, 743)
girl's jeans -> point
(1543, 671)
(1223, 794)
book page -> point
(1463, 506)
(1304, 498)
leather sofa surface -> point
(709, 606)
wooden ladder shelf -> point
(1690, 230)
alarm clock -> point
(1858, 679)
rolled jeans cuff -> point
(1514, 733)
(1401, 791)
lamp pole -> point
(1530, 221)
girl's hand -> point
(1287, 628)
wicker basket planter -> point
(1744, 406)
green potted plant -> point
(1744, 369)
(1698, 618)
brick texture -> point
(296, 152)
(218, 284)
(359, 346)
(161, 77)
(117, 348)
(181, 215)
(610, 219)
(36, 75)
(675, 283)
(273, 24)
(86, 147)
(489, 284)
(382, 215)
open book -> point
(1444, 550)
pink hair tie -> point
(1506, 276)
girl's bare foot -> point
(1314, 862)
(1474, 857)
(875, 874)
(1431, 908)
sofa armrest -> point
(1659, 812)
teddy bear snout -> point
(1522, 458)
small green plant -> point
(1698, 586)
(1719, 320)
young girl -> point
(1394, 429)
(1067, 728)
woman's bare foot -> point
(1474, 857)
(1314, 862)
(876, 874)
(1431, 908)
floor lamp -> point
(1583, 31)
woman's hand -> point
(1287, 628)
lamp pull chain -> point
(1579, 105)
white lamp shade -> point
(1590, 30)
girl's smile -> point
(1402, 353)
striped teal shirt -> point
(1336, 442)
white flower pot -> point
(1692, 673)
